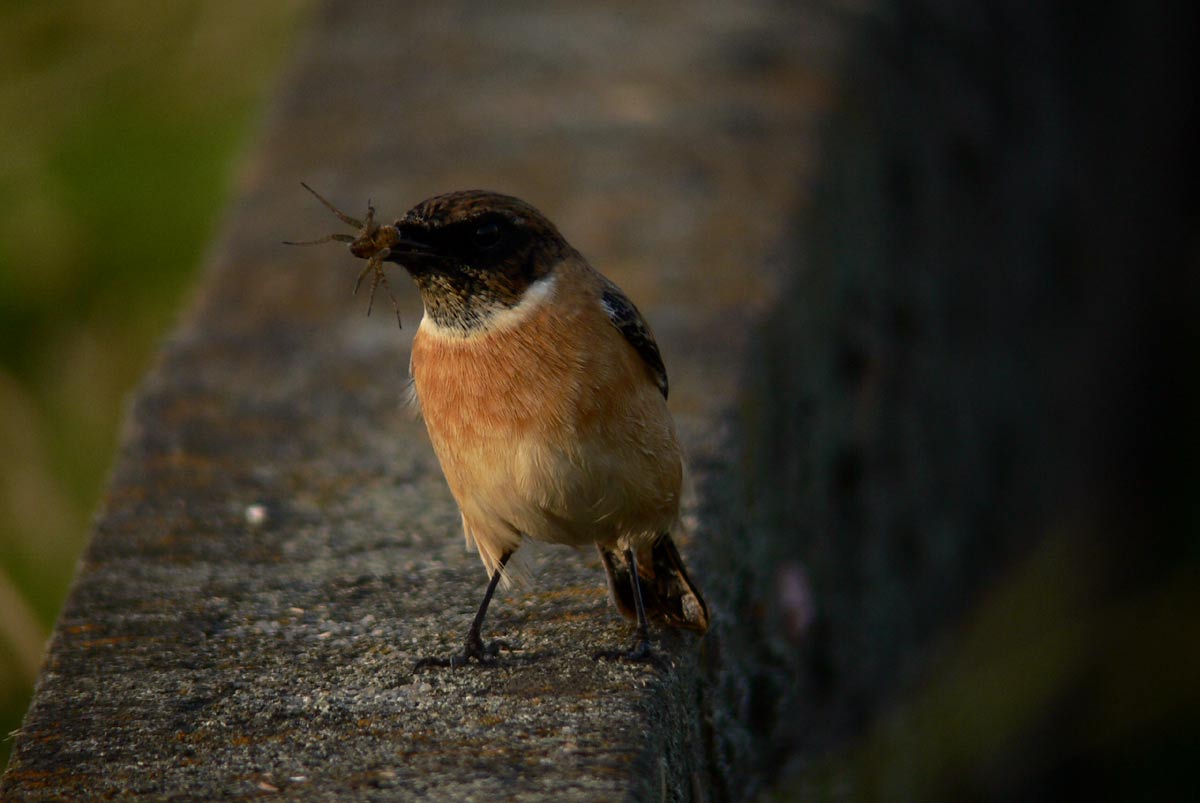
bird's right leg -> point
(474, 647)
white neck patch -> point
(536, 294)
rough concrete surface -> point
(278, 547)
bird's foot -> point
(640, 653)
(485, 654)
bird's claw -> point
(485, 655)
(639, 653)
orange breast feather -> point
(550, 426)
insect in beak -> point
(372, 242)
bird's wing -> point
(625, 316)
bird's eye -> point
(488, 235)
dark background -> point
(988, 472)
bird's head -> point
(475, 253)
(472, 253)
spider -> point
(373, 242)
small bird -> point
(545, 397)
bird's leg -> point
(474, 648)
(640, 652)
(641, 645)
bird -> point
(544, 394)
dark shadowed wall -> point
(982, 459)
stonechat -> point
(545, 397)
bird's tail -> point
(669, 595)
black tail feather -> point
(670, 596)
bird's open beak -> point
(407, 250)
(406, 247)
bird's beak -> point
(410, 254)
(408, 248)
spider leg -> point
(376, 263)
(382, 255)
(328, 238)
(342, 216)
(362, 273)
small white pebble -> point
(256, 515)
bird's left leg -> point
(640, 652)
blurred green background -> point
(121, 129)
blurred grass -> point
(122, 124)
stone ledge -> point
(277, 545)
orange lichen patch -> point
(106, 642)
(84, 628)
(42, 736)
(124, 494)
(576, 616)
(39, 778)
(568, 592)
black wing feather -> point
(629, 322)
